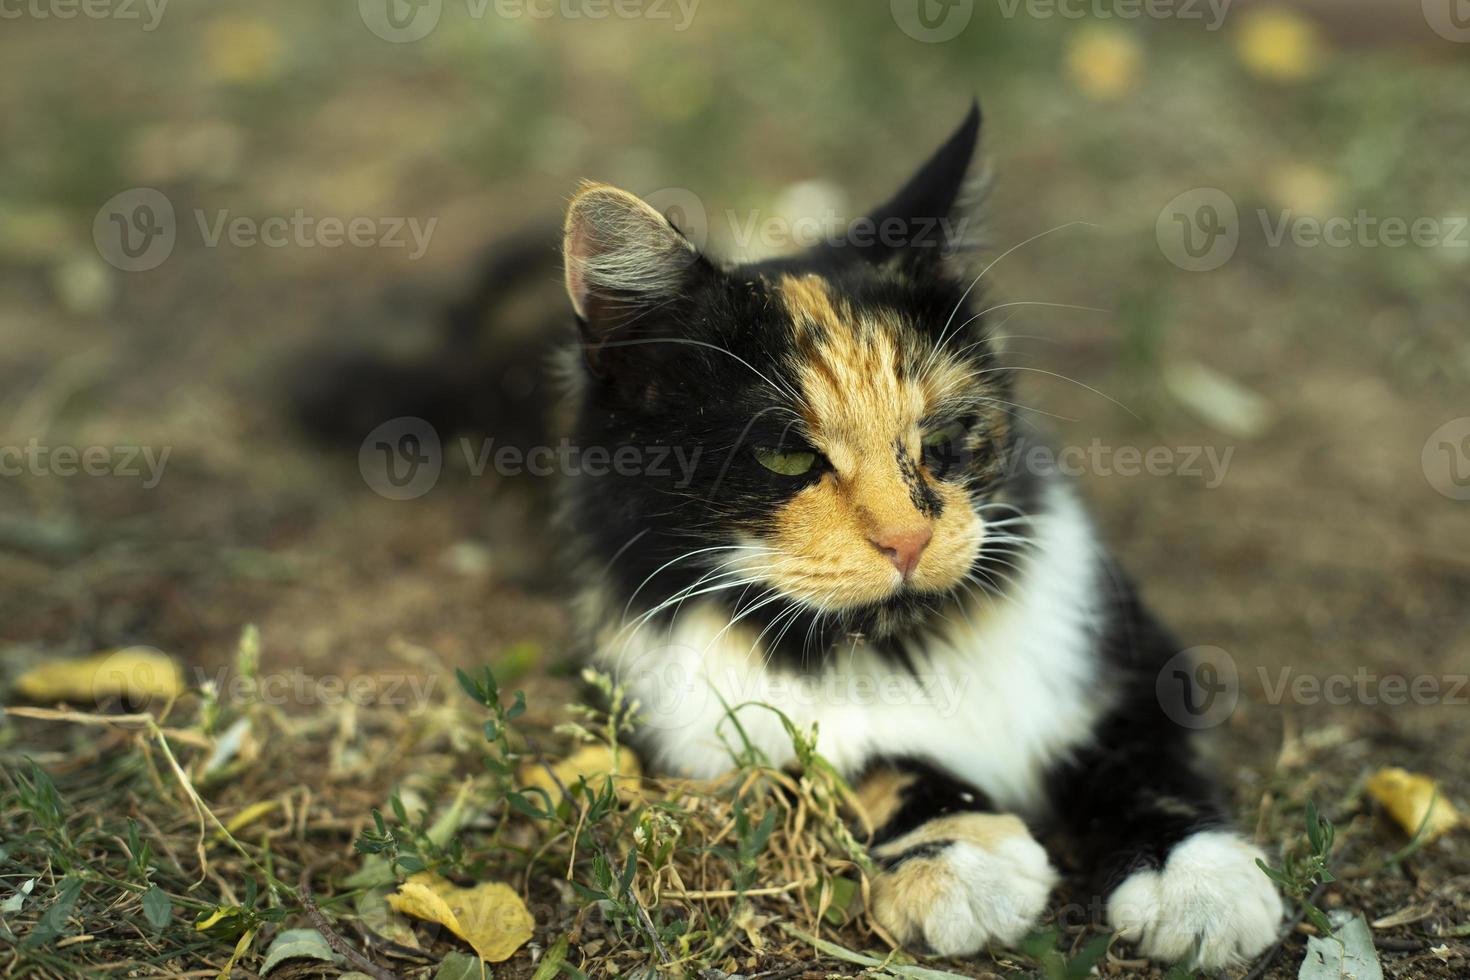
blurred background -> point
(1258, 249)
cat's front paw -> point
(1209, 905)
(959, 882)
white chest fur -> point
(1004, 689)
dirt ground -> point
(1324, 548)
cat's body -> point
(999, 690)
(860, 549)
(860, 546)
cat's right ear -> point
(623, 260)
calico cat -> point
(859, 547)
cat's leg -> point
(953, 876)
(1175, 878)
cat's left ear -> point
(621, 258)
(930, 217)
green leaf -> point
(626, 878)
(518, 708)
(1091, 954)
(460, 966)
(1318, 918)
(53, 923)
(1348, 953)
(1314, 828)
(844, 893)
(469, 685)
(520, 804)
(157, 908)
(1277, 876)
(295, 944)
(14, 903)
(550, 964)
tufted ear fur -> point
(621, 258)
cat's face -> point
(892, 434)
(850, 420)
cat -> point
(859, 548)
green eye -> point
(953, 432)
(786, 464)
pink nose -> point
(903, 548)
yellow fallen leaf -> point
(1104, 62)
(1279, 44)
(591, 762)
(228, 971)
(136, 673)
(1304, 188)
(1407, 797)
(249, 815)
(490, 917)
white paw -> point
(976, 878)
(1209, 905)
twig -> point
(732, 893)
(859, 959)
(128, 722)
(333, 938)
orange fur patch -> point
(881, 794)
(858, 409)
